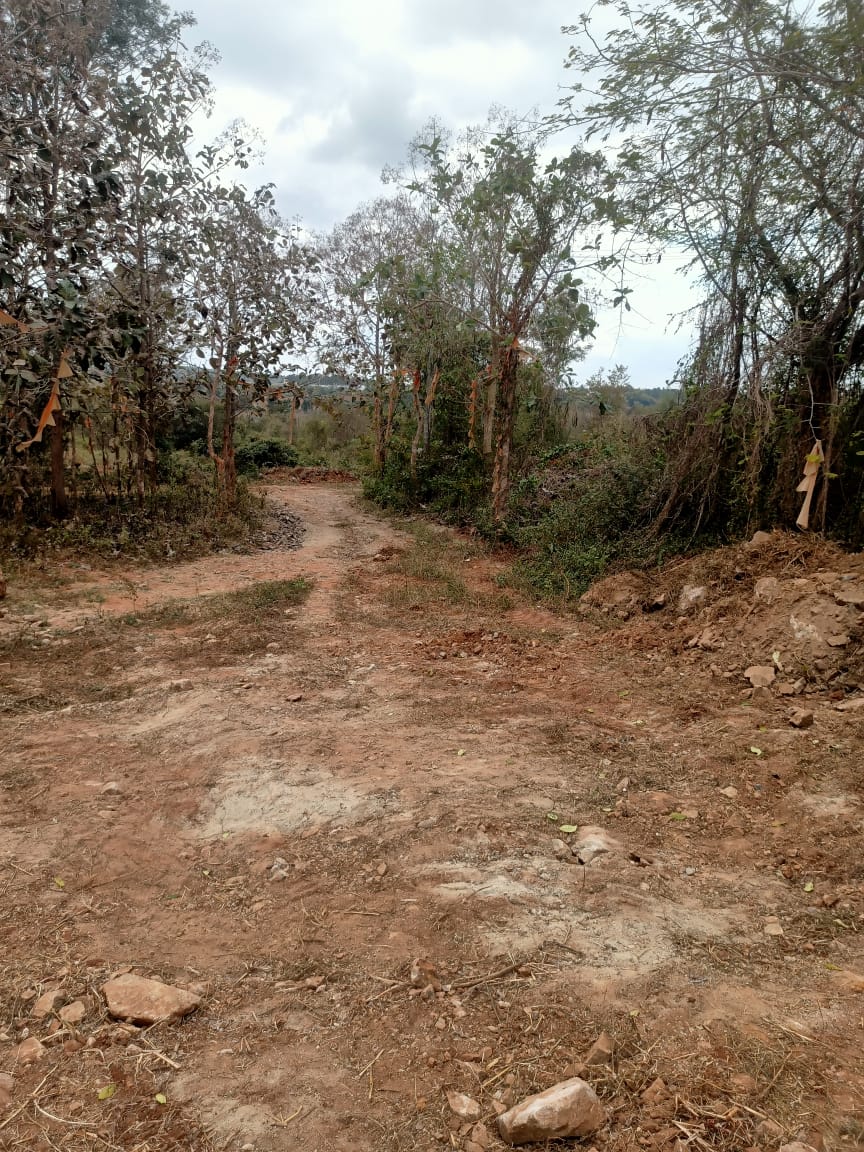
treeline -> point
(457, 305)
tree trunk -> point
(418, 416)
(59, 501)
(506, 418)
(378, 450)
(489, 404)
(229, 465)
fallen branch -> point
(465, 984)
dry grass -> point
(41, 669)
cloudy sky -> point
(338, 89)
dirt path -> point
(285, 809)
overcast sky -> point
(339, 88)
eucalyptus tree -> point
(739, 133)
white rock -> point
(691, 595)
(568, 1110)
(767, 589)
(463, 1106)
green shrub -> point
(256, 454)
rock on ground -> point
(463, 1105)
(570, 1109)
(147, 1001)
(29, 1051)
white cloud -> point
(339, 88)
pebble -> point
(29, 1051)
(463, 1106)
(601, 1051)
(44, 1006)
(801, 718)
(73, 1013)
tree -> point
(740, 136)
(67, 176)
(366, 265)
(519, 230)
(57, 191)
(252, 305)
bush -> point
(589, 510)
(255, 454)
(451, 482)
(180, 517)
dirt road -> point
(285, 808)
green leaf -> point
(569, 828)
(677, 816)
(553, 816)
(107, 1092)
(809, 886)
(161, 1098)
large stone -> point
(569, 1110)
(850, 594)
(147, 1001)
